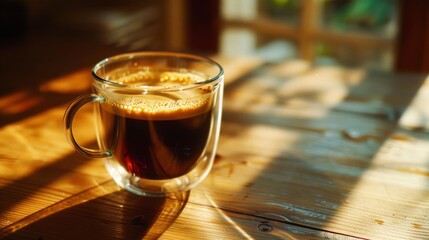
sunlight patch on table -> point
(75, 82)
(416, 115)
(243, 157)
(38, 138)
(18, 102)
(322, 87)
(40, 166)
(34, 146)
(395, 190)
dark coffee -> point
(159, 147)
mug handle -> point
(68, 125)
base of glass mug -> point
(158, 188)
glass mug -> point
(157, 119)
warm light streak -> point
(12, 98)
(18, 102)
(291, 68)
(74, 82)
(417, 113)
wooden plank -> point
(131, 217)
(321, 167)
(301, 164)
(371, 197)
(38, 168)
(211, 221)
(128, 216)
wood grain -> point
(304, 153)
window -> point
(356, 33)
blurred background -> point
(43, 38)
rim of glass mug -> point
(147, 88)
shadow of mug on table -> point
(103, 212)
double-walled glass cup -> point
(157, 119)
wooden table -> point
(305, 153)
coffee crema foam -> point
(151, 78)
(164, 105)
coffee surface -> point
(158, 135)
